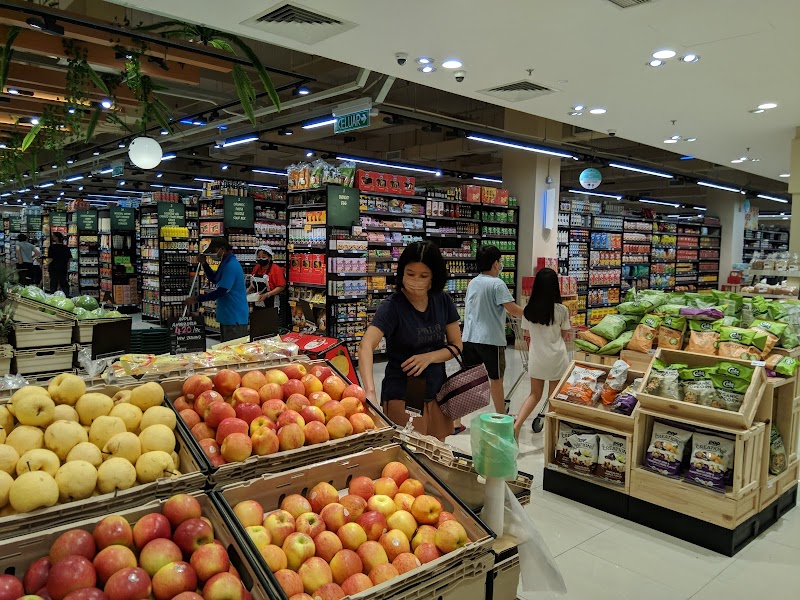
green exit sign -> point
(351, 121)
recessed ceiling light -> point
(664, 54)
(164, 132)
(785, 175)
(106, 103)
(757, 111)
(452, 63)
(656, 63)
(427, 69)
(736, 161)
(690, 58)
(575, 113)
(424, 60)
(13, 91)
(676, 137)
(34, 120)
(691, 139)
(598, 111)
(670, 141)
(767, 106)
(71, 110)
(578, 107)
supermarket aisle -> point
(604, 557)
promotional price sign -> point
(187, 334)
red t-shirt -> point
(275, 277)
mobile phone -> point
(415, 395)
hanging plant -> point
(6, 53)
(232, 44)
(143, 88)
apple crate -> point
(504, 578)
(18, 554)
(738, 503)
(33, 311)
(256, 466)
(41, 335)
(598, 414)
(708, 415)
(270, 490)
(41, 360)
(84, 329)
(193, 468)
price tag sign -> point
(343, 206)
(238, 212)
(122, 219)
(171, 214)
(86, 220)
(58, 219)
(34, 223)
(187, 334)
(14, 223)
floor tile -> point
(560, 532)
(574, 510)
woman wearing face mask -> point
(268, 279)
(418, 321)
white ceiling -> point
(591, 51)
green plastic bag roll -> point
(494, 449)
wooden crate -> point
(777, 485)
(781, 408)
(706, 415)
(598, 415)
(589, 358)
(795, 353)
(551, 424)
(637, 360)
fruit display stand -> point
(271, 490)
(19, 554)
(6, 353)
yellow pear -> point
(86, 451)
(36, 410)
(104, 428)
(122, 396)
(63, 436)
(154, 465)
(6, 419)
(76, 480)
(124, 445)
(38, 460)
(25, 438)
(28, 391)
(2, 435)
(147, 396)
(176, 460)
(66, 388)
(157, 437)
(158, 415)
(8, 459)
(130, 414)
(32, 490)
(65, 412)
(8, 511)
(115, 474)
(5, 487)
(93, 405)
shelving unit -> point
(84, 245)
(118, 256)
(766, 240)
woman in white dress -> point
(548, 322)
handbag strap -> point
(456, 353)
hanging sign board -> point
(86, 220)
(34, 222)
(187, 334)
(343, 206)
(122, 219)
(352, 121)
(58, 219)
(171, 214)
(590, 179)
(238, 212)
(14, 223)
(118, 168)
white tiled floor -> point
(604, 557)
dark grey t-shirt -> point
(409, 332)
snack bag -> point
(664, 380)
(736, 370)
(777, 311)
(783, 365)
(701, 300)
(615, 382)
(710, 461)
(727, 322)
(592, 338)
(777, 452)
(702, 314)
(735, 342)
(586, 346)
(582, 456)
(697, 386)
(789, 338)
(616, 346)
(670, 309)
(645, 333)
(670, 334)
(631, 321)
(730, 391)
(582, 386)
(610, 328)
(611, 458)
(626, 401)
(665, 453)
(565, 431)
(703, 337)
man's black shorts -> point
(492, 357)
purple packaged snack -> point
(666, 450)
(626, 400)
(710, 461)
(702, 314)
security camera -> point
(460, 76)
(612, 132)
(401, 57)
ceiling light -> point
(578, 107)
(773, 198)
(690, 58)
(424, 60)
(640, 170)
(3, 145)
(736, 161)
(670, 141)
(260, 185)
(691, 139)
(301, 90)
(159, 175)
(242, 139)
(185, 189)
(757, 111)
(106, 103)
(164, 132)
(13, 91)
(718, 186)
(71, 110)
(452, 63)
(224, 167)
(518, 146)
(700, 208)
(767, 106)
(660, 202)
(320, 123)
(575, 113)
(168, 156)
(598, 111)
(309, 153)
(377, 163)
(34, 120)
(656, 63)
(427, 69)
(676, 137)
(489, 179)
(121, 144)
(270, 172)
(205, 179)
(61, 194)
(46, 185)
(785, 175)
(285, 131)
(664, 54)
(74, 178)
(122, 182)
(615, 196)
(70, 160)
(96, 153)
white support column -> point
(794, 190)
(729, 207)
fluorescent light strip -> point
(718, 187)
(489, 179)
(641, 170)
(187, 189)
(701, 208)
(74, 178)
(517, 146)
(107, 171)
(774, 217)
(323, 123)
(270, 172)
(235, 141)
(773, 198)
(376, 163)
(168, 156)
(659, 202)
(258, 185)
(616, 196)
(46, 185)
(206, 179)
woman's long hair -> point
(546, 294)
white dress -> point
(547, 353)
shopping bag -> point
(465, 391)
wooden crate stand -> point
(739, 502)
(780, 407)
(637, 360)
(705, 415)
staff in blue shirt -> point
(233, 313)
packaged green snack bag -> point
(586, 346)
(611, 327)
(777, 311)
(736, 370)
(670, 309)
(783, 365)
(744, 344)
(631, 321)
(789, 338)
(703, 337)
(730, 391)
(616, 346)
(701, 300)
(697, 386)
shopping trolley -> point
(522, 341)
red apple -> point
(451, 536)
(329, 591)
(81, 594)
(236, 447)
(291, 437)
(397, 471)
(254, 380)
(223, 586)
(173, 579)
(403, 501)
(297, 402)
(351, 406)
(298, 548)
(227, 381)
(73, 542)
(188, 596)
(274, 557)
(427, 552)
(352, 536)
(374, 524)
(196, 385)
(212, 450)
(321, 372)
(270, 391)
(404, 521)
(276, 376)
(426, 534)
(245, 395)
(158, 553)
(356, 583)
(181, 403)
(293, 386)
(321, 495)
(383, 504)
(229, 426)
(217, 412)
(112, 530)
(312, 413)
(413, 487)
(311, 524)
(10, 588)
(290, 582)
(280, 524)
(361, 422)
(248, 412)
(386, 486)
(68, 575)
(273, 409)
(129, 584)
(426, 510)
(209, 560)
(190, 417)
(295, 371)
(319, 399)
(36, 575)
(265, 441)
(290, 416)
(316, 433)
(446, 516)
(406, 562)
(335, 515)
(201, 431)
(333, 409)
(205, 400)
(334, 386)
(315, 573)
(383, 573)
(372, 554)
(296, 505)
(339, 427)
(193, 533)
(395, 542)
(362, 486)
(112, 559)
(356, 391)
(355, 505)
(261, 421)
(326, 545)
(180, 508)
(311, 383)
(249, 512)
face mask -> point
(220, 255)
(418, 287)
(263, 262)
(500, 270)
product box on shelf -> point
(741, 419)
(471, 193)
(18, 554)
(270, 490)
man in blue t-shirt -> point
(233, 313)
(487, 302)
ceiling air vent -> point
(518, 91)
(629, 3)
(297, 23)
(394, 155)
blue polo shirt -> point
(232, 308)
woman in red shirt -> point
(268, 279)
